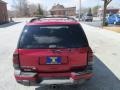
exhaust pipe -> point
(54, 86)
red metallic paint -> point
(32, 58)
(52, 23)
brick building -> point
(61, 10)
(110, 10)
(3, 12)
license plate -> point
(53, 60)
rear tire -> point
(106, 23)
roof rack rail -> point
(42, 17)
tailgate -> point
(47, 60)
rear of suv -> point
(87, 17)
(52, 49)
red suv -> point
(52, 51)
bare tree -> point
(21, 7)
(89, 11)
(33, 9)
(95, 10)
(106, 3)
(40, 10)
(36, 10)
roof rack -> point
(43, 17)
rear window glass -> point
(62, 36)
(89, 15)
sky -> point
(47, 4)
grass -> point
(113, 28)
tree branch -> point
(108, 1)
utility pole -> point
(79, 9)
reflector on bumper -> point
(25, 75)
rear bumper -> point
(34, 79)
(87, 19)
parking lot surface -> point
(106, 47)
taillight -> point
(16, 60)
(90, 57)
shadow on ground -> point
(103, 79)
(8, 24)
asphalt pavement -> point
(106, 47)
(95, 23)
